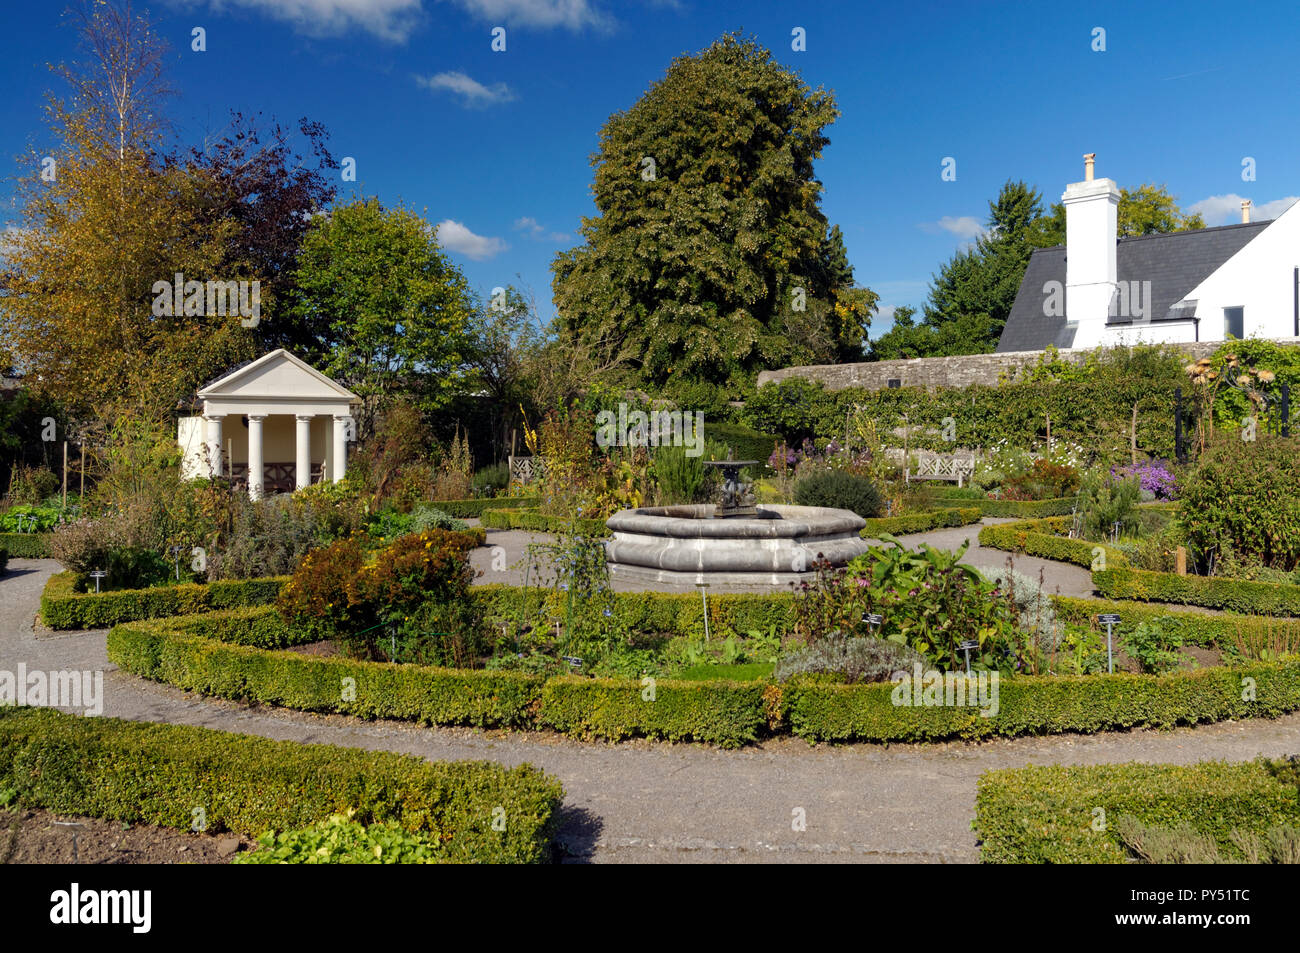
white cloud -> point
(573, 15)
(1226, 209)
(965, 227)
(535, 229)
(475, 94)
(391, 20)
(454, 236)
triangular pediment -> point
(277, 375)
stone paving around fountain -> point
(502, 560)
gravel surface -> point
(655, 802)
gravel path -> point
(653, 802)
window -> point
(1234, 322)
(893, 382)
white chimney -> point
(1245, 212)
(1091, 227)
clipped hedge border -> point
(26, 545)
(1037, 815)
(725, 713)
(1233, 595)
(474, 508)
(826, 711)
(62, 608)
(1192, 626)
(1025, 509)
(670, 613)
(432, 696)
(1026, 537)
(160, 773)
(921, 522)
(540, 522)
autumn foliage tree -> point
(103, 218)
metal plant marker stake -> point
(705, 598)
(1109, 620)
(97, 575)
(74, 825)
(966, 645)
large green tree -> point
(710, 257)
(388, 303)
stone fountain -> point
(732, 544)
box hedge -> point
(1233, 595)
(1046, 815)
(162, 774)
(62, 608)
(825, 711)
(191, 654)
(431, 696)
(26, 545)
(921, 522)
(473, 508)
(541, 523)
(1192, 626)
(725, 713)
(1029, 537)
(1025, 509)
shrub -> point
(542, 523)
(1037, 614)
(1183, 844)
(389, 524)
(158, 774)
(341, 840)
(83, 545)
(27, 545)
(30, 485)
(839, 490)
(268, 537)
(744, 442)
(679, 476)
(1155, 479)
(931, 601)
(1036, 815)
(1108, 506)
(26, 518)
(492, 480)
(336, 594)
(921, 521)
(1153, 646)
(857, 659)
(132, 567)
(1242, 494)
(1043, 480)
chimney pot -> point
(1089, 160)
(1245, 212)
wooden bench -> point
(952, 469)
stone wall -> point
(936, 373)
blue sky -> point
(497, 143)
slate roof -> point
(1174, 263)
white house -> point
(276, 424)
(1098, 289)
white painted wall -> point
(1260, 278)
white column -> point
(214, 444)
(303, 445)
(256, 468)
(339, 465)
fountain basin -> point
(684, 546)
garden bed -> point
(200, 656)
(1048, 815)
(62, 608)
(1191, 626)
(162, 774)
